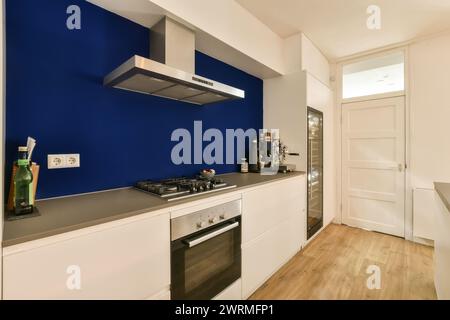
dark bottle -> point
(23, 184)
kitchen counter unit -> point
(442, 242)
(71, 213)
(443, 190)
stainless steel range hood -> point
(170, 70)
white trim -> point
(338, 130)
(374, 97)
(408, 180)
(425, 242)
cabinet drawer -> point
(129, 261)
(265, 255)
(266, 207)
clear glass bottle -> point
(23, 184)
(244, 165)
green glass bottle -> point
(23, 184)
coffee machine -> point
(284, 152)
(264, 151)
(268, 154)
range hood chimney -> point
(170, 71)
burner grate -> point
(182, 187)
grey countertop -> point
(443, 190)
(66, 214)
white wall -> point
(292, 53)
(321, 97)
(430, 111)
(429, 68)
(314, 61)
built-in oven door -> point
(207, 262)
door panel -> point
(373, 157)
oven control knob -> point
(201, 224)
(222, 217)
(214, 220)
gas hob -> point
(180, 188)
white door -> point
(373, 163)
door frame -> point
(340, 100)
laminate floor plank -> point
(334, 266)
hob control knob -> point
(201, 224)
(214, 220)
(222, 217)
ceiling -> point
(338, 27)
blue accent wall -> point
(55, 94)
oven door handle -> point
(197, 241)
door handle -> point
(400, 167)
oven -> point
(206, 251)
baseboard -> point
(426, 242)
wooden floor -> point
(333, 266)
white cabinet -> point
(274, 229)
(425, 211)
(264, 256)
(163, 295)
(267, 207)
(129, 260)
(442, 252)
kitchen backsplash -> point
(55, 94)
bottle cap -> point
(23, 149)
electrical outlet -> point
(61, 161)
(56, 161)
(72, 160)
